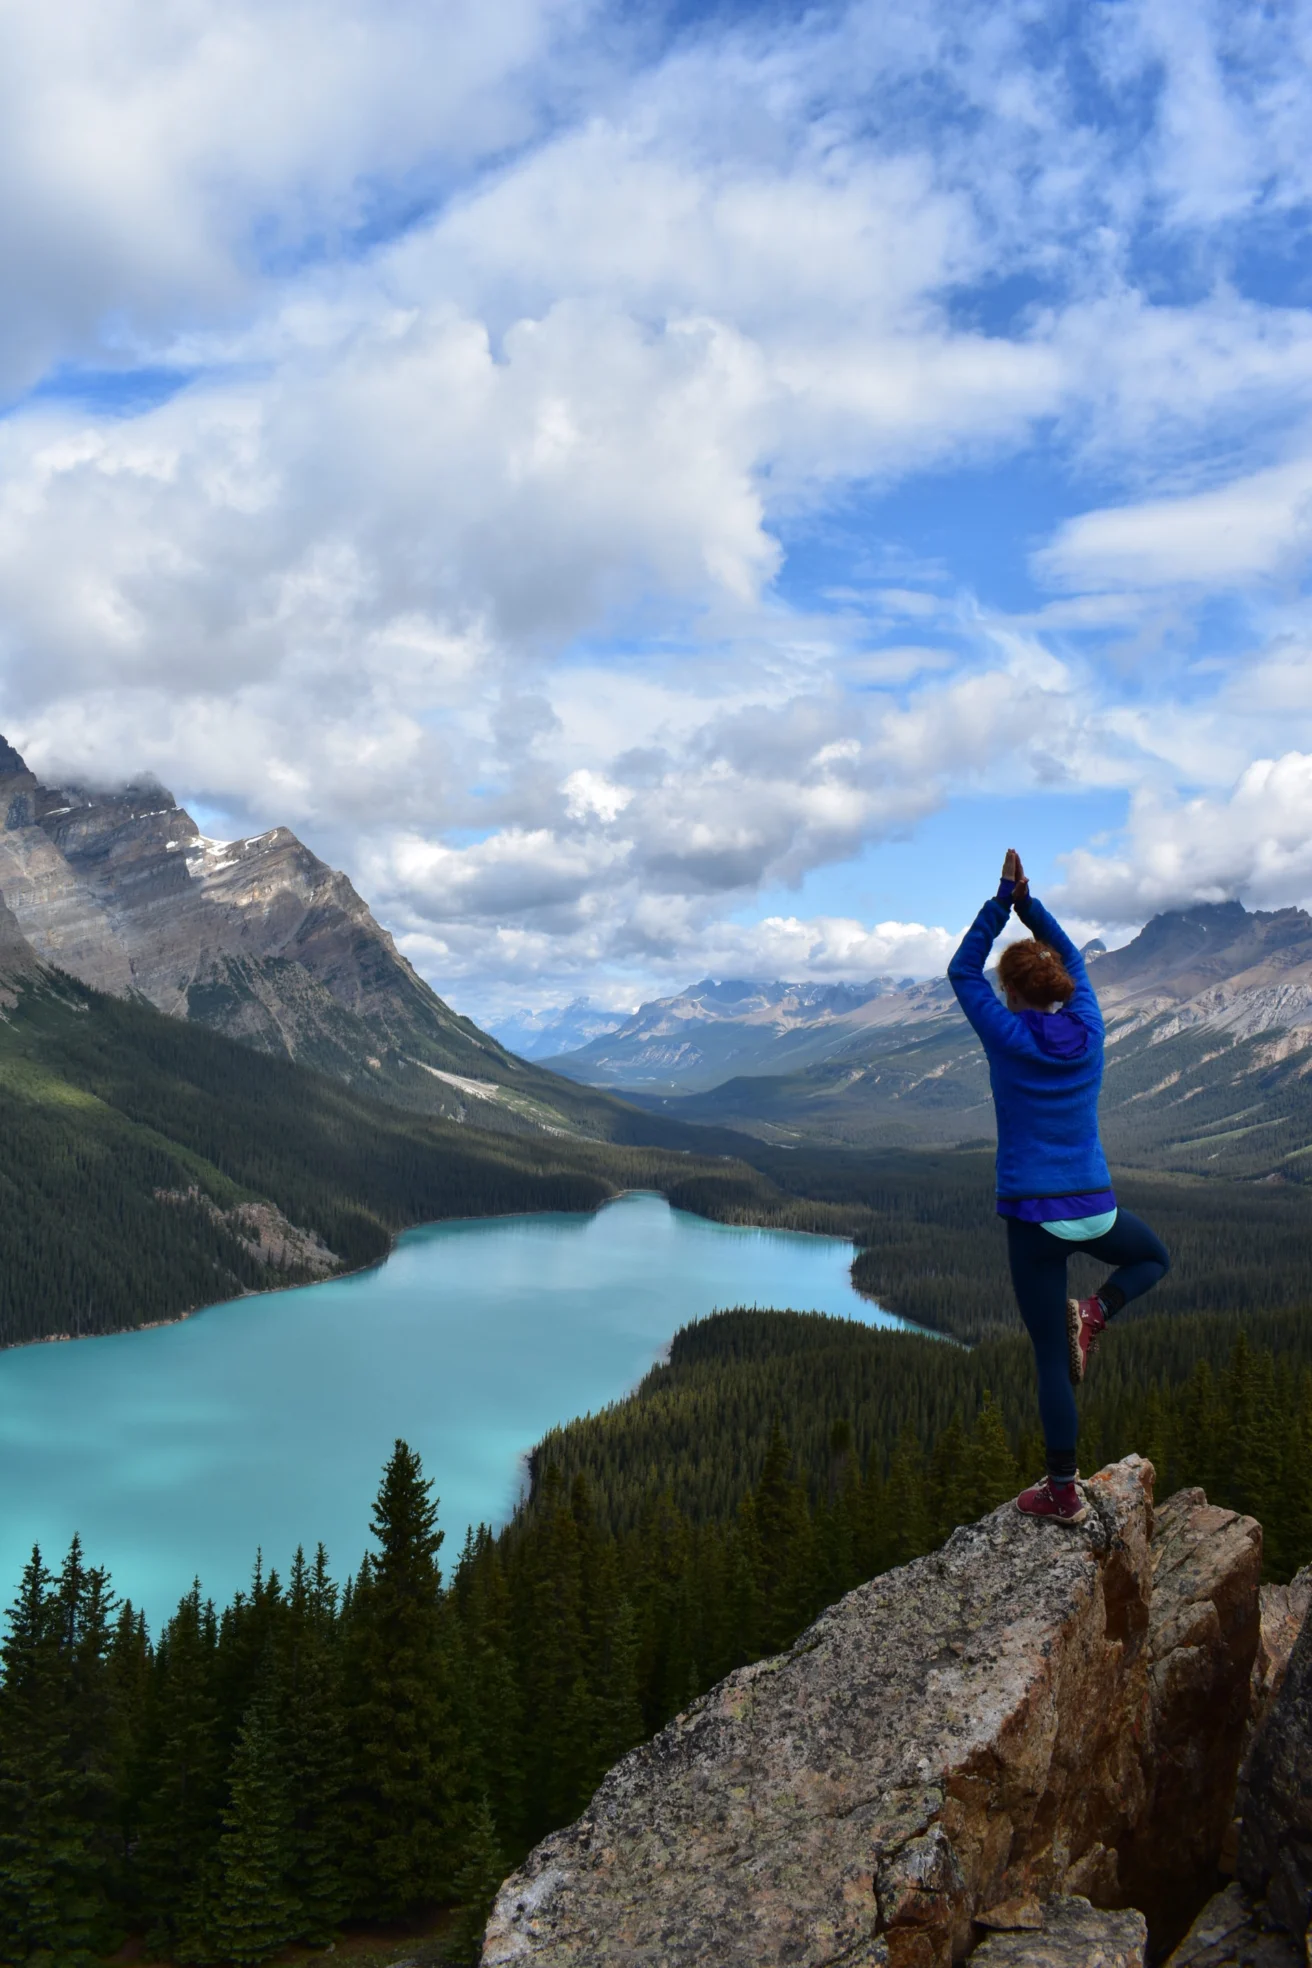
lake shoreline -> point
(394, 1237)
(266, 1427)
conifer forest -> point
(376, 1748)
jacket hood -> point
(1060, 1034)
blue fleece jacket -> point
(1045, 1068)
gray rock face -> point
(18, 960)
(1203, 1635)
(1275, 1799)
(1284, 1609)
(257, 938)
(1072, 1934)
(946, 1751)
(956, 1734)
(1231, 1933)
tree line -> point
(311, 1755)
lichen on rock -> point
(955, 1734)
(1071, 1934)
(964, 1754)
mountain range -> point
(1209, 1009)
(542, 1033)
(1209, 1061)
(257, 939)
(712, 1030)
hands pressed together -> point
(1013, 871)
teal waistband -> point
(1077, 1229)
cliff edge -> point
(1019, 1746)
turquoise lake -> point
(266, 1421)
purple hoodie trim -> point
(1061, 1034)
(1056, 1209)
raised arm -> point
(976, 996)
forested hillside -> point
(312, 1755)
(132, 1143)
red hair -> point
(1035, 973)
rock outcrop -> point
(971, 1735)
(1284, 1610)
(1069, 1933)
(1231, 1933)
(271, 1239)
(1275, 1800)
(1203, 1634)
(1261, 1920)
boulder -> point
(1230, 1933)
(1071, 1934)
(958, 1734)
(1203, 1631)
(990, 1748)
(1275, 1799)
(1284, 1609)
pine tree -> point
(315, 1758)
(994, 1477)
(494, 1689)
(129, 1674)
(618, 1710)
(950, 1481)
(408, 1761)
(56, 1803)
(479, 1875)
(907, 1532)
(746, 1597)
(783, 1523)
(183, 1763)
(838, 1522)
(253, 1912)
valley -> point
(1209, 1054)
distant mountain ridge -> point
(1209, 1060)
(555, 1029)
(258, 939)
(696, 1038)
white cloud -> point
(462, 549)
(160, 161)
(1250, 529)
(1255, 844)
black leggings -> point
(1038, 1272)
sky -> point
(665, 491)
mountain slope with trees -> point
(142, 1156)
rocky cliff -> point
(1023, 1748)
(256, 938)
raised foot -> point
(1085, 1320)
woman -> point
(1044, 1050)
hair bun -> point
(1035, 973)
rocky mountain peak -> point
(257, 937)
(10, 760)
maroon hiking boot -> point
(1085, 1320)
(1060, 1503)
